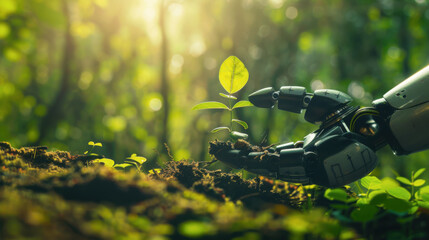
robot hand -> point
(343, 149)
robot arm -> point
(343, 149)
(406, 112)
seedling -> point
(92, 144)
(132, 161)
(136, 161)
(155, 171)
(233, 75)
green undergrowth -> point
(56, 195)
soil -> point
(57, 195)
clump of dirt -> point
(256, 193)
(39, 157)
(218, 146)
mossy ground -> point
(56, 195)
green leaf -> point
(227, 96)
(425, 196)
(98, 145)
(399, 192)
(233, 75)
(106, 161)
(419, 172)
(238, 135)
(336, 194)
(371, 182)
(242, 123)
(377, 197)
(404, 180)
(388, 182)
(196, 229)
(424, 204)
(138, 159)
(424, 189)
(219, 129)
(397, 205)
(413, 210)
(423, 193)
(156, 170)
(85, 152)
(91, 143)
(134, 163)
(364, 213)
(210, 105)
(419, 182)
(241, 104)
(362, 201)
(123, 166)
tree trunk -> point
(163, 74)
(55, 111)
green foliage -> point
(337, 194)
(105, 161)
(210, 105)
(135, 160)
(132, 161)
(92, 144)
(381, 196)
(233, 76)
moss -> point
(52, 196)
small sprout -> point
(136, 158)
(92, 144)
(233, 76)
(136, 161)
(155, 171)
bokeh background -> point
(127, 72)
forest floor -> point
(56, 195)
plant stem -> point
(90, 150)
(230, 110)
(412, 184)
